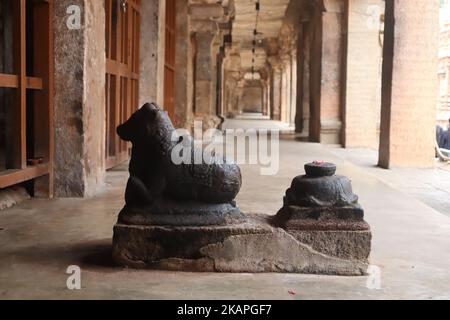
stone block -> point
(251, 246)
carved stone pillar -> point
(203, 73)
(207, 40)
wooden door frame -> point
(122, 75)
(42, 86)
(169, 59)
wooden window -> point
(169, 65)
(26, 73)
(122, 72)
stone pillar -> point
(184, 79)
(286, 89)
(315, 73)
(283, 93)
(79, 100)
(215, 51)
(263, 97)
(409, 85)
(293, 108)
(276, 91)
(303, 82)
(269, 103)
(203, 73)
(331, 74)
(152, 52)
(363, 79)
(207, 38)
(231, 93)
(232, 76)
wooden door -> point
(122, 73)
(169, 64)
(26, 85)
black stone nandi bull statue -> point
(161, 192)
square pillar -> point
(409, 84)
(363, 79)
(152, 51)
(205, 79)
(79, 100)
(203, 73)
(286, 89)
(331, 72)
(275, 90)
(184, 79)
(293, 108)
(207, 39)
(303, 82)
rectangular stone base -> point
(253, 246)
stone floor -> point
(39, 239)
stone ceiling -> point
(271, 16)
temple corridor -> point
(94, 93)
(41, 238)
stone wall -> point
(79, 100)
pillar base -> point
(330, 132)
(251, 246)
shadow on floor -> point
(91, 256)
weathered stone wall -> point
(79, 99)
(363, 73)
(410, 83)
(152, 51)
